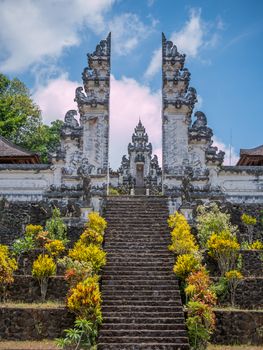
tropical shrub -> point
(183, 242)
(91, 236)
(82, 336)
(233, 277)
(7, 267)
(55, 247)
(256, 245)
(224, 248)
(198, 287)
(96, 222)
(249, 221)
(43, 268)
(76, 271)
(33, 230)
(185, 264)
(91, 254)
(211, 220)
(23, 245)
(85, 300)
(55, 227)
(200, 324)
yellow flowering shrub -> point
(91, 236)
(96, 222)
(185, 264)
(256, 245)
(7, 266)
(85, 300)
(248, 219)
(183, 242)
(234, 277)
(43, 266)
(198, 287)
(91, 254)
(33, 230)
(223, 247)
(55, 247)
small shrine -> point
(141, 170)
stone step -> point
(118, 321)
(141, 295)
(139, 282)
(148, 346)
(132, 288)
(106, 309)
(142, 277)
(131, 333)
(144, 326)
(139, 302)
(144, 339)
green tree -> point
(21, 120)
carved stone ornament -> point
(170, 52)
(70, 120)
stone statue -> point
(201, 120)
(70, 120)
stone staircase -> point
(142, 307)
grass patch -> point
(234, 347)
(46, 305)
(26, 345)
(236, 308)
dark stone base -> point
(238, 327)
(33, 323)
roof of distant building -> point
(11, 153)
(252, 156)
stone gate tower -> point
(93, 108)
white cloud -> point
(32, 30)
(56, 98)
(194, 36)
(127, 31)
(231, 156)
(129, 100)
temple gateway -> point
(192, 169)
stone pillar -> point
(178, 103)
(93, 105)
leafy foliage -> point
(82, 336)
(185, 264)
(55, 226)
(211, 219)
(233, 277)
(248, 219)
(7, 266)
(200, 324)
(85, 300)
(183, 242)
(21, 121)
(43, 268)
(55, 247)
(76, 271)
(91, 236)
(96, 222)
(91, 254)
(223, 247)
(23, 245)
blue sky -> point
(44, 43)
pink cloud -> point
(56, 98)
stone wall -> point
(238, 327)
(26, 289)
(14, 216)
(33, 323)
(249, 294)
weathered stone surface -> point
(238, 327)
(26, 289)
(33, 323)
